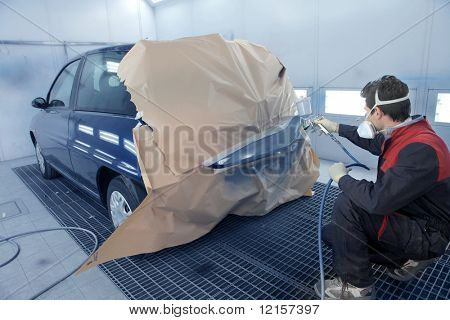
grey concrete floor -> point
(43, 258)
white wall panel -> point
(287, 29)
(23, 78)
(81, 20)
(439, 49)
(130, 20)
(15, 27)
(220, 16)
(147, 21)
(175, 20)
(350, 30)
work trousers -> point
(359, 239)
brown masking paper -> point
(202, 97)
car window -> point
(59, 95)
(100, 89)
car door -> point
(102, 121)
(52, 131)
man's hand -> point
(337, 171)
(328, 124)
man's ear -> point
(378, 113)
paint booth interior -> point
(234, 213)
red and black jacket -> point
(413, 175)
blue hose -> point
(345, 150)
(321, 210)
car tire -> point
(46, 170)
(122, 198)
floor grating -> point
(269, 257)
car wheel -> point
(46, 170)
(122, 199)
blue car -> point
(84, 131)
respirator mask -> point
(366, 129)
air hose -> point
(17, 251)
(322, 208)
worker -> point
(402, 220)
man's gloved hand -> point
(328, 124)
(337, 171)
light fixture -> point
(112, 66)
(86, 129)
(153, 3)
(129, 145)
(109, 137)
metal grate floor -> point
(269, 257)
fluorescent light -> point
(122, 167)
(129, 166)
(109, 137)
(86, 129)
(83, 143)
(442, 113)
(301, 93)
(345, 102)
(129, 145)
(81, 149)
(112, 66)
(223, 161)
(105, 154)
(154, 3)
(103, 159)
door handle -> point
(53, 111)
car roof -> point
(122, 47)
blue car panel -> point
(52, 130)
(101, 140)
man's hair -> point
(389, 88)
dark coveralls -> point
(404, 215)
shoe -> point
(409, 269)
(335, 289)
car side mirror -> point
(57, 103)
(39, 103)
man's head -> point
(389, 88)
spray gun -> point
(304, 110)
(309, 123)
